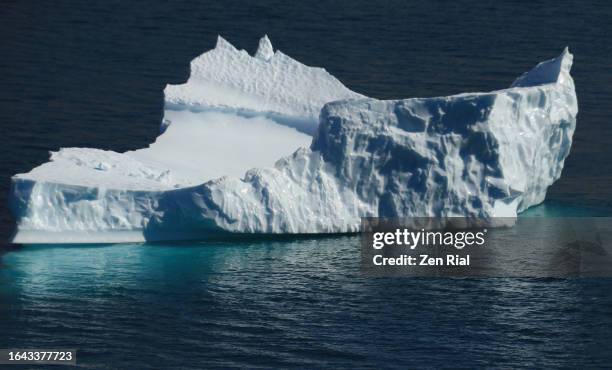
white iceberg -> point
(475, 155)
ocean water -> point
(92, 73)
(289, 303)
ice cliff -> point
(213, 170)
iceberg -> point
(215, 167)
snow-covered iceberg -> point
(212, 169)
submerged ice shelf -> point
(215, 167)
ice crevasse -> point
(265, 144)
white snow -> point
(224, 144)
(476, 155)
(271, 83)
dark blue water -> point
(290, 303)
(92, 74)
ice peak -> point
(223, 44)
(551, 71)
(264, 50)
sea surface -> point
(91, 74)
